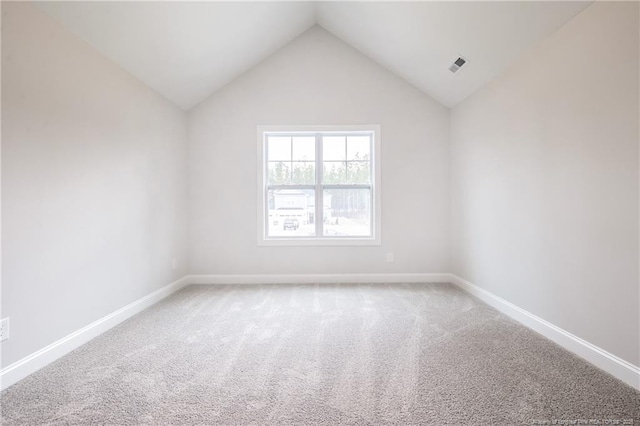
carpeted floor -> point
(320, 354)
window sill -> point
(326, 242)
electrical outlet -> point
(390, 257)
(174, 264)
(4, 329)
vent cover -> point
(457, 64)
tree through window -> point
(319, 185)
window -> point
(319, 185)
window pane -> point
(291, 213)
(334, 148)
(334, 172)
(279, 173)
(304, 148)
(358, 172)
(303, 172)
(347, 212)
(358, 148)
(279, 148)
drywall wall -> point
(93, 184)
(545, 181)
(318, 80)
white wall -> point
(545, 181)
(544, 167)
(93, 184)
(318, 80)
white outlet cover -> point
(4, 329)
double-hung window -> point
(319, 185)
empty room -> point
(320, 213)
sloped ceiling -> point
(188, 50)
(420, 40)
(184, 50)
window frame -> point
(319, 239)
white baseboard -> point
(321, 278)
(34, 362)
(608, 362)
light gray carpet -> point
(319, 354)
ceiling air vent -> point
(457, 64)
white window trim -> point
(374, 240)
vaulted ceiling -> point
(188, 50)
